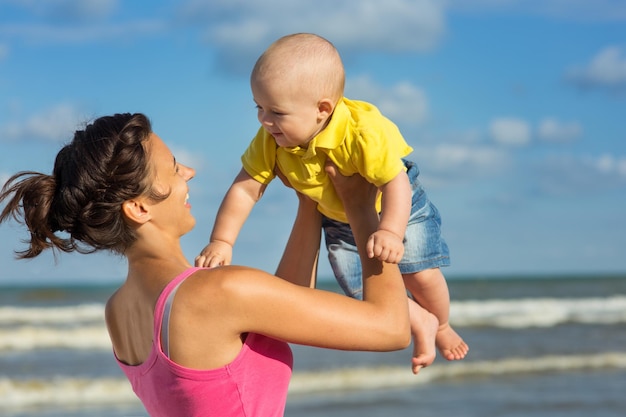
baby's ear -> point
(136, 211)
(325, 108)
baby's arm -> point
(232, 214)
(386, 242)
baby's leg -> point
(346, 266)
(430, 290)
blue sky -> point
(516, 110)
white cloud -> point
(74, 21)
(551, 129)
(606, 69)
(402, 102)
(572, 175)
(241, 29)
(54, 124)
(70, 9)
(580, 10)
(510, 131)
(47, 33)
(452, 163)
(188, 158)
(609, 165)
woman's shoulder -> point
(231, 280)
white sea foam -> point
(515, 313)
(82, 326)
(70, 391)
(538, 312)
(31, 337)
(399, 377)
(81, 313)
(64, 391)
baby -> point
(297, 85)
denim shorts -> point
(424, 248)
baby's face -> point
(287, 111)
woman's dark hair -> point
(79, 207)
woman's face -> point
(170, 177)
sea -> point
(539, 346)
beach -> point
(539, 346)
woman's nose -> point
(188, 172)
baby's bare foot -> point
(424, 327)
(450, 344)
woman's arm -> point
(319, 318)
(298, 264)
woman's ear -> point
(136, 211)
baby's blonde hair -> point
(307, 59)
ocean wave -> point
(401, 377)
(64, 391)
(538, 312)
(82, 326)
(32, 337)
(69, 391)
(82, 313)
(508, 313)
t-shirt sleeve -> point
(378, 152)
(259, 158)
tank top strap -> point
(163, 308)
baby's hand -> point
(386, 246)
(216, 253)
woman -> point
(193, 341)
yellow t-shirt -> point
(358, 139)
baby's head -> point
(304, 62)
(296, 84)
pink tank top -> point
(254, 384)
